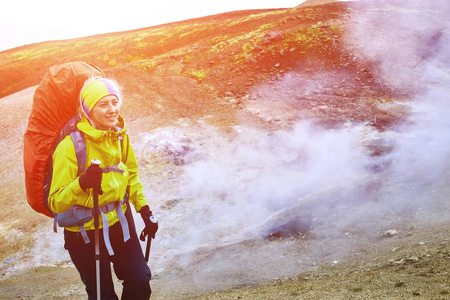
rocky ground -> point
(315, 173)
(411, 265)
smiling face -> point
(105, 113)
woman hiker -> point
(117, 181)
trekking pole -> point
(96, 162)
(147, 249)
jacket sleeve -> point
(137, 196)
(65, 190)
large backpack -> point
(55, 104)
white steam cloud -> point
(251, 184)
(257, 175)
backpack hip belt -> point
(123, 222)
(78, 215)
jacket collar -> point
(98, 135)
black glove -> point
(91, 178)
(151, 224)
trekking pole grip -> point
(95, 162)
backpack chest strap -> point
(114, 168)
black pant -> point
(128, 262)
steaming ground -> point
(251, 206)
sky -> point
(25, 22)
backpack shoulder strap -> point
(121, 148)
(79, 144)
(121, 138)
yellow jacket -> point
(65, 190)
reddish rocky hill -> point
(270, 143)
(193, 65)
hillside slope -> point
(224, 55)
(273, 144)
